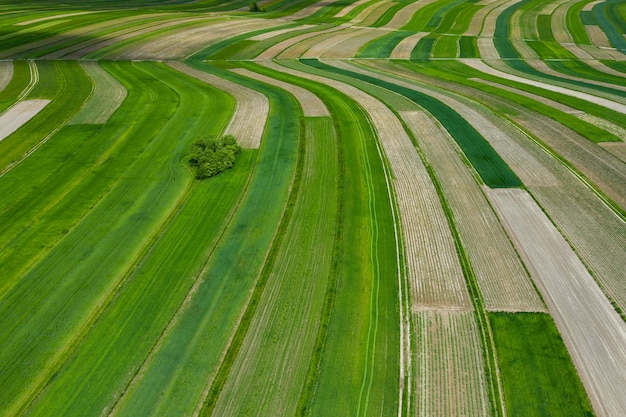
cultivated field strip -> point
(272, 33)
(347, 48)
(593, 332)
(434, 270)
(273, 361)
(450, 370)
(405, 46)
(252, 107)
(181, 43)
(311, 105)
(502, 279)
(282, 48)
(347, 9)
(617, 149)
(19, 114)
(6, 73)
(105, 100)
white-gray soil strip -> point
(434, 270)
(106, 98)
(481, 66)
(6, 73)
(593, 332)
(252, 108)
(20, 113)
(404, 48)
(311, 105)
(271, 34)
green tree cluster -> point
(209, 157)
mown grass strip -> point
(538, 376)
(492, 169)
(18, 83)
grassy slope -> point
(154, 288)
(102, 245)
(537, 373)
(19, 81)
(175, 376)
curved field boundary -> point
(405, 47)
(591, 329)
(271, 34)
(609, 104)
(343, 12)
(6, 73)
(404, 15)
(372, 13)
(311, 105)
(19, 114)
(502, 279)
(107, 97)
(251, 113)
(281, 47)
(450, 366)
(345, 45)
(434, 270)
(480, 23)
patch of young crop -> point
(538, 375)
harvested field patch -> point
(311, 105)
(405, 47)
(616, 148)
(58, 16)
(502, 279)
(317, 49)
(615, 129)
(598, 37)
(19, 114)
(487, 48)
(450, 369)
(593, 332)
(107, 97)
(343, 12)
(349, 48)
(404, 15)
(252, 107)
(372, 13)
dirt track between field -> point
(593, 332)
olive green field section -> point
(51, 305)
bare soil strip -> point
(598, 37)
(559, 23)
(450, 372)
(589, 6)
(185, 42)
(271, 34)
(478, 20)
(434, 270)
(351, 47)
(105, 100)
(525, 51)
(329, 44)
(16, 116)
(309, 10)
(404, 48)
(618, 149)
(593, 332)
(311, 105)
(281, 47)
(404, 15)
(252, 109)
(58, 16)
(489, 26)
(502, 279)
(6, 73)
(487, 49)
(481, 66)
(372, 13)
(350, 7)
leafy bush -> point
(209, 157)
(255, 8)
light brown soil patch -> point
(616, 148)
(404, 48)
(6, 73)
(487, 49)
(271, 34)
(311, 105)
(372, 13)
(598, 37)
(282, 48)
(330, 43)
(343, 12)
(248, 122)
(593, 332)
(404, 15)
(450, 374)
(19, 114)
